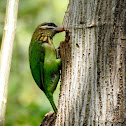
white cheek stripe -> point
(45, 27)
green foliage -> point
(27, 104)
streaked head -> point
(48, 29)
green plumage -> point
(44, 65)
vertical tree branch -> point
(6, 53)
(93, 90)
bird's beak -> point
(59, 29)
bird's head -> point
(46, 30)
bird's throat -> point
(47, 39)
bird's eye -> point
(51, 24)
(50, 27)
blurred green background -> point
(27, 104)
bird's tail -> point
(50, 97)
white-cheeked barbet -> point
(44, 64)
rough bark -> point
(49, 119)
(6, 53)
(93, 89)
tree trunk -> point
(93, 89)
(6, 53)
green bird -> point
(44, 64)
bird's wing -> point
(36, 56)
(42, 55)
